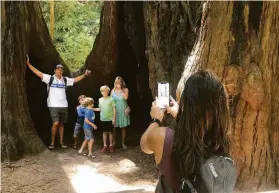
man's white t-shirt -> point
(57, 91)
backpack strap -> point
(51, 81)
(189, 184)
(49, 84)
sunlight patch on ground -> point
(85, 178)
(273, 191)
(126, 166)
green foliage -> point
(76, 25)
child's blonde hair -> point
(105, 87)
(87, 101)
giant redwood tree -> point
(239, 42)
(147, 42)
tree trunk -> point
(134, 26)
(239, 42)
(23, 32)
(102, 58)
(170, 29)
(51, 16)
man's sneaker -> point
(51, 147)
(105, 148)
(63, 145)
(124, 146)
(111, 149)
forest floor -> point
(63, 171)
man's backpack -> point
(216, 174)
(51, 81)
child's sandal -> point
(82, 153)
(91, 156)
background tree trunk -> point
(102, 58)
(51, 16)
(239, 42)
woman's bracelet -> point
(155, 120)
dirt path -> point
(63, 171)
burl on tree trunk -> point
(239, 42)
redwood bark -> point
(239, 42)
(171, 29)
(23, 32)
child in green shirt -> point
(107, 117)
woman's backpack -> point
(216, 174)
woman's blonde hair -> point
(122, 83)
(105, 87)
(87, 101)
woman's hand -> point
(156, 112)
(127, 111)
(173, 109)
(125, 93)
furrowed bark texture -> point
(24, 32)
(239, 42)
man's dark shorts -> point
(59, 114)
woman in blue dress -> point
(120, 95)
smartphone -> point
(163, 95)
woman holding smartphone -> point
(120, 95)
(202, 118)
